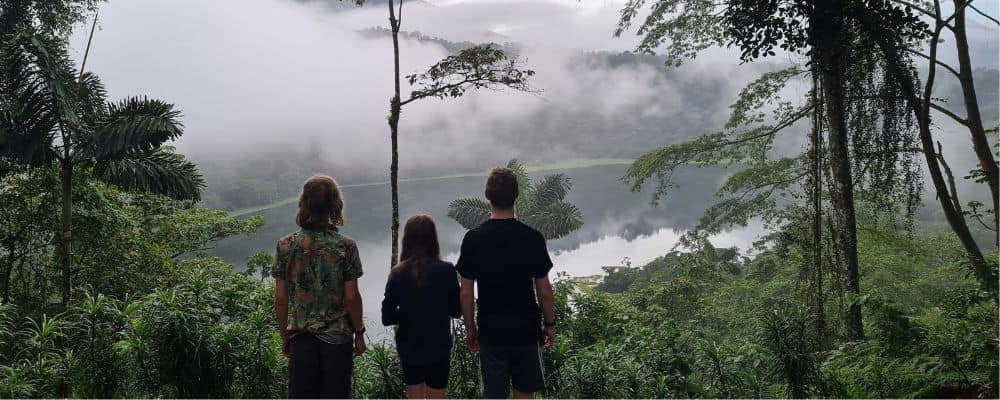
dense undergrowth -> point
(153, 318)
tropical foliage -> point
(150, 314)
(540, 204)
(49, 115)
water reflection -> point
(618, 224)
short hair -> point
(501, 188)
(320, 205)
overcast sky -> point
(252, 73)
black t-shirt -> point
(423, 312)
(504, 257)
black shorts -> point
(434, 374)
(504, 366)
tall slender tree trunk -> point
(815, 194)
(8, 270)
(66, 225)
(843, 193)
(831, 53)
(980, 142)
(394, 110)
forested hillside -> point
(875, 273)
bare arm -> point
(281, 311)
(467, 298)
(546, 300)
(352, 300)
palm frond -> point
(93, 95)
(52, 65)
(159, 171)
(136, 125)
(551, 189)
(523, 180)
(469, 212)
(555, 220)
(27, 126)
(27, 114)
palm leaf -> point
(551, 189)
(27, 127)
(136, 125)
(555, 220)
(92, 96)
(28, 115)
(159, 171)
(469, 212)
(525, 189)
(523, 180)
(52, 65)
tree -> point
(896, 51)
(477, 67)
(49, 115)
(868, 138)
(27, 212)
(540, 205)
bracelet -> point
(361, 332)
(549, 324)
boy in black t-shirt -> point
(509, 262)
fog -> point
(275, 74)
(258, 79)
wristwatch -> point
(549, 324)
(361, 332)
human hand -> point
(472, 340)
(359, 345)
(549, 334)
(286, 348)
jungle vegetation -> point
(107, 291)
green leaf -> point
(159, 171)
(469, 212)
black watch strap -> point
(549, 324)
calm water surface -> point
(618, 224)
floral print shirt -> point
(316, 264)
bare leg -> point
(435, 393)
(418, 391)
(523, 395)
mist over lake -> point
(617, 223)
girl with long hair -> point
(421, 298)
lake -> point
(617, 223)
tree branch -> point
(915, 7)
(982, 13)
(951, 180)
(795, 118)
(953, 116)
(443, 89)
(938, 62)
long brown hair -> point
(320, 205)
(420, 246)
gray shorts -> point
(504, 366)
